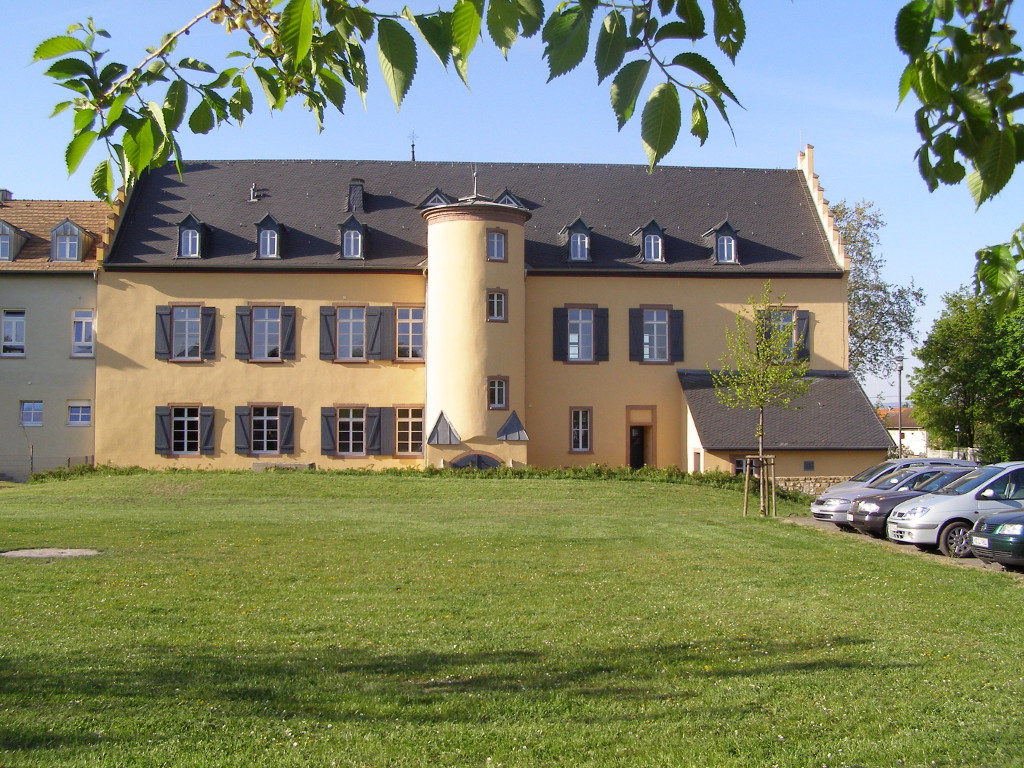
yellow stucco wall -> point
(791, 464)
(46, 373)
(132, 382)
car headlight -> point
(835, 502)
(1011, 529)
(869, 507)
(915, 512)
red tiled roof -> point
(37, 218)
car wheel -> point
(954, 540)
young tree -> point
(763, 367)
(881, 313)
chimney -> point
(5, 196)
(355, 196)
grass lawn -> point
(341, 620)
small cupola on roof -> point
(353, 238)
(577, 239)
(191, 238)
(68, 242)
(11, 241)
(651, 237)
(723, 241)
(269, 236)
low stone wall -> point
(812, 486)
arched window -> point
(652, 248)
(579, 247)
(189, 245)
(352, 246)
(726, 250)
(268, 244)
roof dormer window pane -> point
(6, 248)
(726, 249)
(268, 244)
(352, 244)
(652, 248)
(189, 245)
(579, 247)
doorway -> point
(637, 446)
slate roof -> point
(779, 232)
(37, 218)
(835, 414)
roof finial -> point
(412, 138)
(474, 180)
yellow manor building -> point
(403, 314)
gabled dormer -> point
(507, 198)
(651, 237)
(435, 198)
(577, 238)
(191, 238)
(11, 241)
(723, 243)
(269, 236)
(68, 242)
(353, 238)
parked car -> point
(1000, 538)
(869, 514)
(873, 473)
(945, 518)
(835, 506)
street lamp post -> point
(899, 405)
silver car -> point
(836, 506)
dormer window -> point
(66, 242)
(435, 198)
(268, 238)
(722, 239)
(352, 239)
(652, 242)
(190, 238)
(652, 248)
(579, 240)
(11, 240)
(507, 198)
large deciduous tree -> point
(763, 366)
(963, 67)
(881, 313)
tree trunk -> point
(762, 475)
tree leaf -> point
(436, 30)
(333, 88)
(914, 27)
(296, 28)
(240, 103)
(175, 102)
(611, 45)
(699, 121)
(139, 146)
(195, 64)
(690, 14)
(995, 164)
(77, 149)
(730, 27)
(396, 50)
(626, 89)
(201, 119)
(60, 107)
(157, 113)
(271, 89)
(659, 126)
(62, 69)
(84, 119)
(701, 66)
(997, 274)
(102, 181)
(566, 36)
(503, 24)
(531, 16)
(58, 46)
(973, 102)
(466, 22)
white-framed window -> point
(409, 430)
(581, 334)
(268, 244)
(13, 321)
(580, 419)
(497, 303)
(66, 244)
(352, 431)
(351, 333)
(6, 247)
(79, 413)
(352, 244)
(186, 329)
(31, 413)
(497, 393)
(726, 249)
(497, 239)
(784, 322)
(655, 335)
(188, 246)
(81, 333)
(185, 430)
(266, 430)
(266, 333)
(409, 333)
(652, 248)
(579, 247)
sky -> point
(819, 72)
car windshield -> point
(940, 481)
(921, 480)
(867, 474)
(892, 479)
(971, 480)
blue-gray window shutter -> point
(600, 334)
(380, 333)
(328, 327)
(206, 430)
(636, 334)
(208, 328)
(163, 333)
(163, 430)
(243, 333)
(243, 444)
(287, 333)
(380, 431)
(328, 431)
(675, 335)
(803, 334)
(560, 334)
(286, 425)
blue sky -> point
(822, 72)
